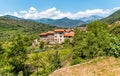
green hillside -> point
(11, 27)
(112, 18)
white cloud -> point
(54, 13)
(116, 8)
(15, 14)
(23, 12)
(32, 10)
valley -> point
(60, 45)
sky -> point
(55, 9)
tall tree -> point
(16, 55)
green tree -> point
(79, 43)
(41, 44)
(115, 47)
(16, 55)
(93, 43)
(67, 43)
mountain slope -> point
(64, 22)
(91, 18)
(112, 18)
(10, 27)
(13, 17)
(104, 66)
(45, 20)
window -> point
(60, 32)
(60, 36)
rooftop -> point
(59, 30)
(43, 34)
(50, 32)
(69, 35)
(68, 30)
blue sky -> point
(63, 8)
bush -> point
(41, 44)
(66, 43)
(76, 61)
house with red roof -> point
(57, 36)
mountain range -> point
(63, 22)
(66, 22)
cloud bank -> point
(54, 13)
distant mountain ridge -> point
(13, 17)
(45, 20)
(63, 22)
(91, 18)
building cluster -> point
(57, 36)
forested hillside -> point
(112, 18)
(11, 27)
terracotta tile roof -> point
(59, 30)
(50, 32)
(69, 34)
(43, 34)
(69, 30)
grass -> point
(101, 66)
(36, 59)
(62, 52)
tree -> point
(115, 47)
(115, 40)
(67, 43)
(93, 43)
(16, 55)
(79, 43)
(41, 44)
(54, 61)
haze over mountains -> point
(63, 22)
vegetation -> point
(41, 44)
(97, 41)
(67, 43)
(11, 27)
(102, 66)
(18, 57)
(112, 18)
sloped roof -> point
(59, 30)
(50, 32)
(43, 34)
(69, 34)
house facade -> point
(57, 36)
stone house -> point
(57, 36)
